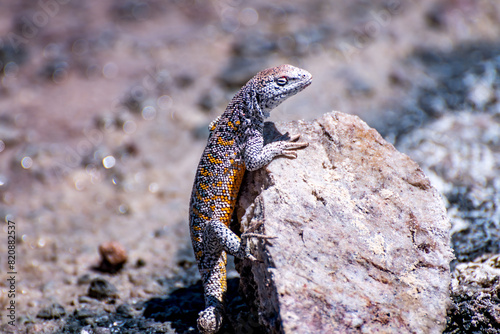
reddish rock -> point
(113, 256)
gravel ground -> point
(104, 108)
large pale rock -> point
(362, 238)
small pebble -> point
(140, 263)
(84, 300)
(83, 313)
(125, 310)
(54, 311)
(84, 279)
(100, 289)
(113, 256)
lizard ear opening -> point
(253, 103)
(250, 99)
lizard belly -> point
(227, 192)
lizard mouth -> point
(306, 84)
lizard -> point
(235, 144)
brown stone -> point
(113, 256)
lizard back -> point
(218, 176)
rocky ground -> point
(104, 107)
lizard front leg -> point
(257, 155)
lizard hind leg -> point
(220, 237)
(215, 287)
(219, 240)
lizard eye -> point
(282, 81)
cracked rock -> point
(362, 238)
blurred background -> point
(104, 109)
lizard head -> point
(275, 85)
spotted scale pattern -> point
(235, 145)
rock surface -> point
(362, 237)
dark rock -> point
(254, 44)
(54, 311)
(238, 71)
(181, 307)
(361, 236)
(100, 289)
(85, 300)
(56, 70)
(184, 80)
(475, 291)
(125, 310)
(134, 100)
(481, 237)
(12, 54)
(465, 78)
(84, 279)
(9, 135)
(121, 321)
(83, 313)
(131, 10)
(140, 263)
(103, 320)
(212, 99)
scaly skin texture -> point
(235, 144)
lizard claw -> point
(293, 144)
(289, 154)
